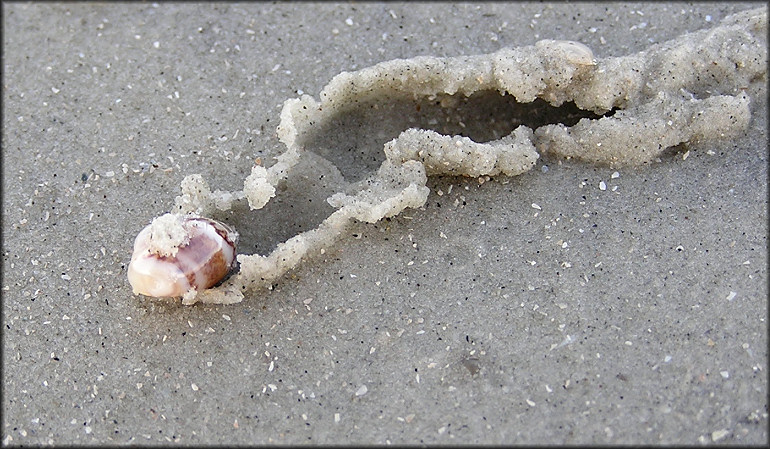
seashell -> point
(175, 255)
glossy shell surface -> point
(204, 259)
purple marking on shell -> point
(200, 261)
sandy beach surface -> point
(573, 304)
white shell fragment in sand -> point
(690, 89)
(176, 256)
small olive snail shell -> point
(200, 263)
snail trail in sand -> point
(484, 115)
